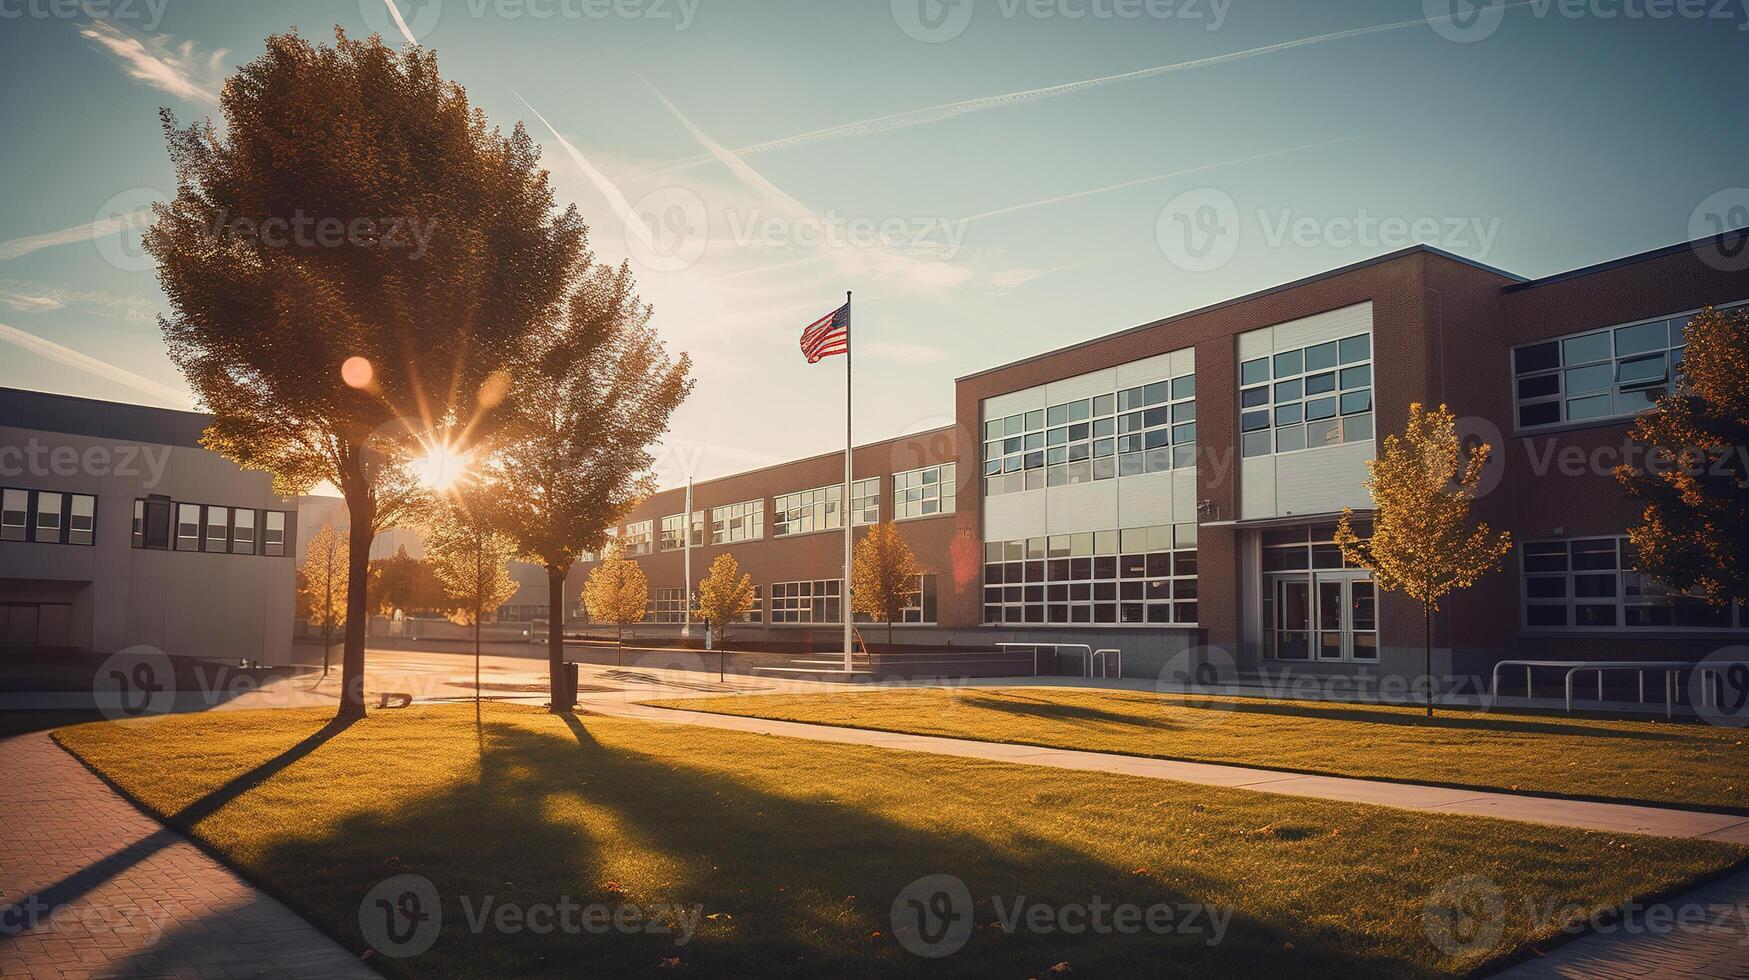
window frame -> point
(1274, 404)
(943, 490)
(1098, 437)
(1040, 577)
(32, 529)
(1622, 579)
(817, 509)
(744, 516)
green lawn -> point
(796, 850)
(1683, 764)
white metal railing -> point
(1105, 657)
(1671, 669)
(1085, 651)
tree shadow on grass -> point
(1448, 721)
(801, 884)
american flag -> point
(828, 335)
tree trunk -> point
(477, 614)
(557, 678)
(358, 541)
(1427, 652)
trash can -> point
(568, 687)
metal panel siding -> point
(1014, 402)
(1081, 386)
(1257, 487)
(1319, 481)
(1145, 370)
(1014, 515)
(1147, 499)
(1183, 495)
(1082, 507)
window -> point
(48, 518)
(243, 531)
(1302, 548)
(1139, 575)
(609, 536)
(1613, 373)
(81, 518)
(14, 514)
(637, 538)
(806, 602)
(919, 607)
(1149, 428)
(1592, 583)
(674, 531)
(808, 510)
(753, 613)
(218, 529)
(1307, 398)
(187, 527)
(273, 533)
(744, 521)
(865, 501)
(925, 492)
(666, 606)
(152, 523)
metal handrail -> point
(1670, 672)
(1105, 662)
(1087, 652)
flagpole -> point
(844, 505)
(686, 523)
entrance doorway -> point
(1327, 616)
(31, 625)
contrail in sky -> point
(948, 110)
(406, 32)
(84, 362)
(138, 218)
(1148, 180)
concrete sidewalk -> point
(90, 886)
(1655, 821)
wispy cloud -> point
(138, 218)
(85, 362)
(177, 69)
(33, 297)
(948, 110)
(1059, 198)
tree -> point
(351, 260)
(883, 576)
(470, 558)
(1694, 531)
(402, 582)
(591, 393)
(617, 591)
(723, 598)
(323, 581)
(1421, 543)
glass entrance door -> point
(1325, 615)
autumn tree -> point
(323, 580)
(883, 576)
(591, 392)
(351, 258)
(470, 558)
(617, 591)
(1694, 530)
(1421, 543)
(724, 595)
(402, 582)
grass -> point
(1658, 762)
(795, 850)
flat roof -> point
(1735, 236)
(45, 411)
(1315, 277)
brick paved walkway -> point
(91, 886)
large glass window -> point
(806, 511)
(925, 492)
(744, 521)
(806, 602)
(919, 605)
(218, 528)
(1613, 373)
(666, 606)
(1593, 583)
(48, 518)
(1133, 576)
(637, 538)
(81, 518)
(14, 514)
(1307, 398)
(754, 612)
(243, 531)
(187, 527)
(865, 501)
(1148, 428)
(273, 533)
(674, 531)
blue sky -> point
(1548, 137)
